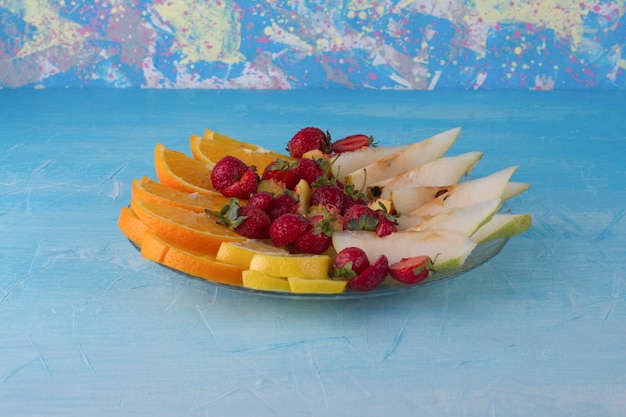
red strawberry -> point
(309, 139)
(308, 170)
(260, 199)
(280, 204)
(288, 227)
(411, 270)
(352, 196)
(312, 242)
(329, 195)
(352, 143)
(248, 221)
(282, 172)
(372, 277)
(387, 223)
(233, 178)
(245, 187)
(360, 217)
(318, 236)
(385, 226)
(349, 263)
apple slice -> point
(503, 225)
(413, 156)
(347, 162)
(448, 249)
(406, 200)
(441, 171)
(466, 219)
(468, 192)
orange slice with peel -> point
(149, 190)
(218, 137)
(176, 170)
(132, 227)
(185, 228)
(200, 265)
(211, 151)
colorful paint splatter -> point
(297, 44)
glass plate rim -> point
(481, 254)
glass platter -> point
(481, 254)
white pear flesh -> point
(441, 171)
(413, 156)
(503, 225)
(406, 200)
(448, 249)
(347, 162)
(468, 192)
(466, 219)
(514, 188)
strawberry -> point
(248, 221)
(353, 196)
(385, 226)
(352, 143)
(360, 217)
(372, 276)
(308, 170)
(245, 187)
(260, 199)
(288, 227)
(233, 178)
(387, 223)
(318, 236)
(349, 263)
(411, 270)
(280, 204)
(282, 172)
(329, 195)
(309, 139)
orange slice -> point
(185, 228)
(211, 151)
(149, 190)
(200, 265)
(132, 227)
(211, 135)
(176, 170)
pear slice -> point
(406, 200)
(503, 225)
(448, 249)
(468, 192)
(514, 188)
(466, 219)
(347, 162)
(413, 156)
(441, 171)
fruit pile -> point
(327, 217)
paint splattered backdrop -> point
(296, 44)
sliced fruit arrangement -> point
(325, 217)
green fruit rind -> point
(503, 226)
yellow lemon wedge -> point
(318, 286)
(241, 253)
(303, 266)
(258, 280)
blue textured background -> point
(280, 44)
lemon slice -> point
(320, 286)
(261, 281)
(241, 253)
(302, 266)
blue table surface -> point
(88, 327)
